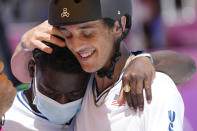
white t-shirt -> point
(20, 117)
(165, 113)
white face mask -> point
(55, 112)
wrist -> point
(144, 55)
(22, 44)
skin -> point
(68, 86)
(86, 38)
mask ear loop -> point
(34, 82)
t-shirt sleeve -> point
(166, 111)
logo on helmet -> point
(119, 13)
(65, 13)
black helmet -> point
(67, 12)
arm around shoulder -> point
(178, 66)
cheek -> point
(106, 45)
(69, 46)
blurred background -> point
(157, 25)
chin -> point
(89, 69)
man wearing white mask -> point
(51, 101)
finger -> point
(56, 31)
(133, 93)
(1, 66)
(3, 80)
(140, 96)
(38, 44)
(127, 96)
(125, 80)
(134, 100)
(53, 39)
(140, 99)
(121, 98)
(57, 40)
(148, 90)
(3, 77)
(10, 84)
(13, 90)
(59, 37)
(153, 74)
(128, 99)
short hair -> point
(61, 59)
(110, 24)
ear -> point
(123, 22)
(118, 29)
(31, 68)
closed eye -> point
(88, 35)
(69, 36)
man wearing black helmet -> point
(95, 39)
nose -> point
(62, 99)
(76, 44)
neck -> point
(103, 83)
(29, 97)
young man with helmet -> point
(94, 33)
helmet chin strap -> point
(114, 59)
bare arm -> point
(178, 66)
(33, 39)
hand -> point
(7, 92)
(138, 76)
(43, 32)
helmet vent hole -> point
(77, 1)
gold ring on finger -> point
(127, 88)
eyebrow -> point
(86, 27)
(79, 28)
(62, 28)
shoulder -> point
(166, 108)
(165, 92)
(163, 83)
(162, 78)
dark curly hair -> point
(61, 59)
